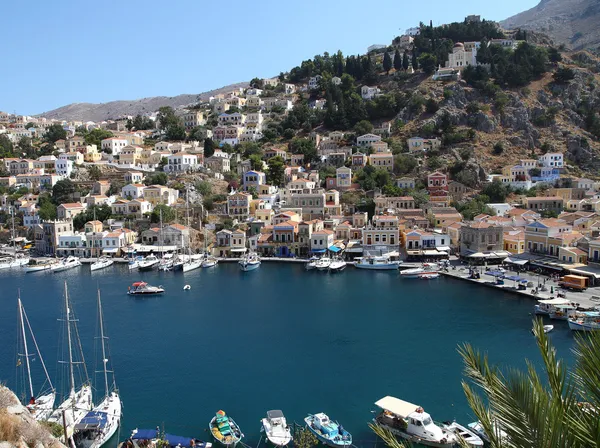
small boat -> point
(563, 312)
(39, 265)
(311, 264)
(166, 263)
(322, 264)
(468, 435)
(417, 272)
(585, 321)
(328, 432)
(101, 263)
(249, 262)
(547, 328)
(337, 265)
(276, 428)
(548, 306)
(209, 261)
(134, 263)
(187, 287)
(225, 430)
(148, 263)
(411, 422)
(191, 264)
(380, 263)
(144, 289)
(477, 427)
(68, 263)
(15, 262)
(151, 438)
(429, 275)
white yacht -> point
(418, 272)
(276, 428)
(67, 263)
(337, 265)
(322, 264)
(382, 263)
(101, 263)
(311, 264)
(209, 261)
(40, 265)
(412, 423)
(249, 262)
(191, 264)
(134, 263)
(148, 263)
(470, 436)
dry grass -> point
(9, 427)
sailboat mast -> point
(71, 370)
(187, 217)
(25, 347)
(12, 212)
(104, 360)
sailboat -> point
(16, 261)
(42, 405)
(208, 261)
(190, 264)
(79, 402)
(100, 424)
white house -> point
(181, 162)
(63, 167)
(368, 93)
(133, 191)
(321, 240)
(367, 139)
(113, 145)
(313, 82)
(552, 159)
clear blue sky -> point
(63, 51)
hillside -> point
(115, 109)
(570, 22)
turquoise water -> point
(276, 338)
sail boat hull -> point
(99, 425)
(76, 406)
(43, 406)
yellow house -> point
(130, 155)
(514, 241)
(265, 215)
(159, 194)
(92, 157)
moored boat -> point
(151, 438)
(563, 312)
(191, 264)
(470, 437)
(429, 275)
(276, 428)
(322, 264)
(327, 431)
(412, 423)
(148, 263)
(547, 306)
(585, 321)
(249, 262)
(225, 430)
(144, 289)
(67, 263)
(101, 263)
(134, 263)
(15, 262)
(337, 265)
(382, 263)
(39, 265)
(311, 264)
(477, 427)
(209, 261)
(417, 272)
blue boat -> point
(327, 431)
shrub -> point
(563, 75)
(473, 107)
(9, 427)
(498, 148)
(448, 94)
(500, 101)
(431, 106)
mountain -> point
(570, 22)
(114, 109)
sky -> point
(65, 51)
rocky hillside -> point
(18, 429)
(115, 109)
(570, 22)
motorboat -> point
(470, 437)
(101, 263)
(67, 263)
(276, 428)
(382, 263)
(563, 312)
(585, 321)
(151, 438)
(209, 261)
(417, 272)
(547, 306)
(134, 263)
(186, 287)
(166, 263)
(322, 264)
(14, 262)
(148, 263)
(328, 432)
(39, 265)
(225, 430)
(547, 329)
(412, 423)
(477, 427)
(311, 264)
(144, 289)
(191, 264)
(429, 275)
(337, 265)
(249, 262)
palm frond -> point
(390, 440)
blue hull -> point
(329, 442)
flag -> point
(18, 362)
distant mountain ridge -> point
(114, 109)
(574, 23)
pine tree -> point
(397, 60)
(415, 60)
(405, 61)
(387, 62)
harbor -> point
(249, 342)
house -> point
(75, 157)
(181, 162)
(133, 191)
(47, 234)
(69, 210)
(445, 217)
(192, 119)
(114, 243)
(343, 178)
(416, 144)
(367, 140)
(549, 204)
(546, 236)
(75, 245)
(133, 177)
(406, 183)
(390, 205)
(461, 57)
(321, 240)
(514, 241)
(63, 167)
(382, 160)
(113, 145)
(368, 93)
(160, 194)
(384, 129)
(382, 234)
(139, 207)
(480, 237)
(359, 160)
(380, 147)
(420, 242)
(177, 235)
(238, 205)
(313, 82)
(253, 179)
(235, 119)
(218, 164)
(437, 183)
(230, 243)
(457, 191)
(552, 159)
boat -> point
(322, 264)
(66, 263)
(470, 437)
(166, 263)
(134, 263)
(477, 427)
(429, 275)
(585, 321)
(151, 438)
(563, 312)
(328, 432)
(417, 272)
(547, 306)
(187, 287)
(40, 406)
(78, 402)
(337, 265)
(191, 264)
(225, 430)
(209, 261)
(276, 428)
(144, 289)
(311, 264)
(101, 263)
(412, 423)
(101, 423)
(40, 265)
(17, 260)
(381, 263)
(547, 329)
(249, 262)
(148, 263)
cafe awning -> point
(334, 249)
(111, 250)
(443, 248)
(516, 261)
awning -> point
(396, 406)
(432, 252)
(318, 251)
(334, 249)
(516, 261)
(478, 255)
(495, 273)
(516, 278)
(557, 301)
(443, 249)
(110, 250)
(585, 272)
(145, 434)
(546, 266)
(238, 249)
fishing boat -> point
(144, 289)
(311, 264)
(39, 265)
(547, 306)
(417, 272)
(101, 263)
(585, 321)
(148, 263)
(209, 261)
(100, 424)
(337, 265)
(429, 275)
(412, 423)
(78, 402)
(470, 437)
(379, 263)
(563, 312)
(249, 262)
(328, 432)
(322, 264)
(276, 428)
(41, 405)
(66, 263)
(17, 260)
(225, 430)
(151, 438)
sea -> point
(275, 338)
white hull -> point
(38, 268)
(13, 263)
(74, 263)
(583, 326)
(377, 267)
(209, 263)
(250, 266)
(278, 436)
(75, 407)
(147, 265)
(43, 406)
(132, 265)
(467, 434)
(323, 264)
(112, 407)
(101, 264)
(191, 265)
(337, 266)
(419, 440)
(310, 265)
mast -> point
(160, 235)
(25, 347)
(12, 212)
(104, 360)
(187, 217)
(71, 371)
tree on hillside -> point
(157, 179)
(95, 136)
(387, 62)
(363, 127)
(397, 60)
(276, 171)
(563, 75)
(415, 60)
(256, 162)
(47, 209)
(63, 191)
(6, 146)
(405, 62)
(428, 63)
(209, 147)
(170, 123)
(55, 132)
(303, 146)
(168, 214)
(256, 83)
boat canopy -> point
(93, 420)
(556, 301)
(516, 261)
(274, 414)
(591, 314)
(136, 284)
(145, 434)
(396, 406)
(178, 440)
